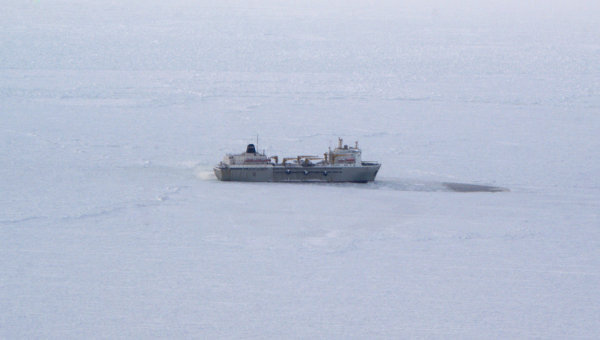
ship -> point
(343, 164)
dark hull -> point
(279, 173)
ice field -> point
(112, 225)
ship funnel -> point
(250, 148)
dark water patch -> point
(432, 186)
(466, 187)
(387, 184)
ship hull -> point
(279, 173)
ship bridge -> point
(345, 155)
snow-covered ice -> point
(112, 114)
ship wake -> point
(433, 186)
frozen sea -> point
(112, 114)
